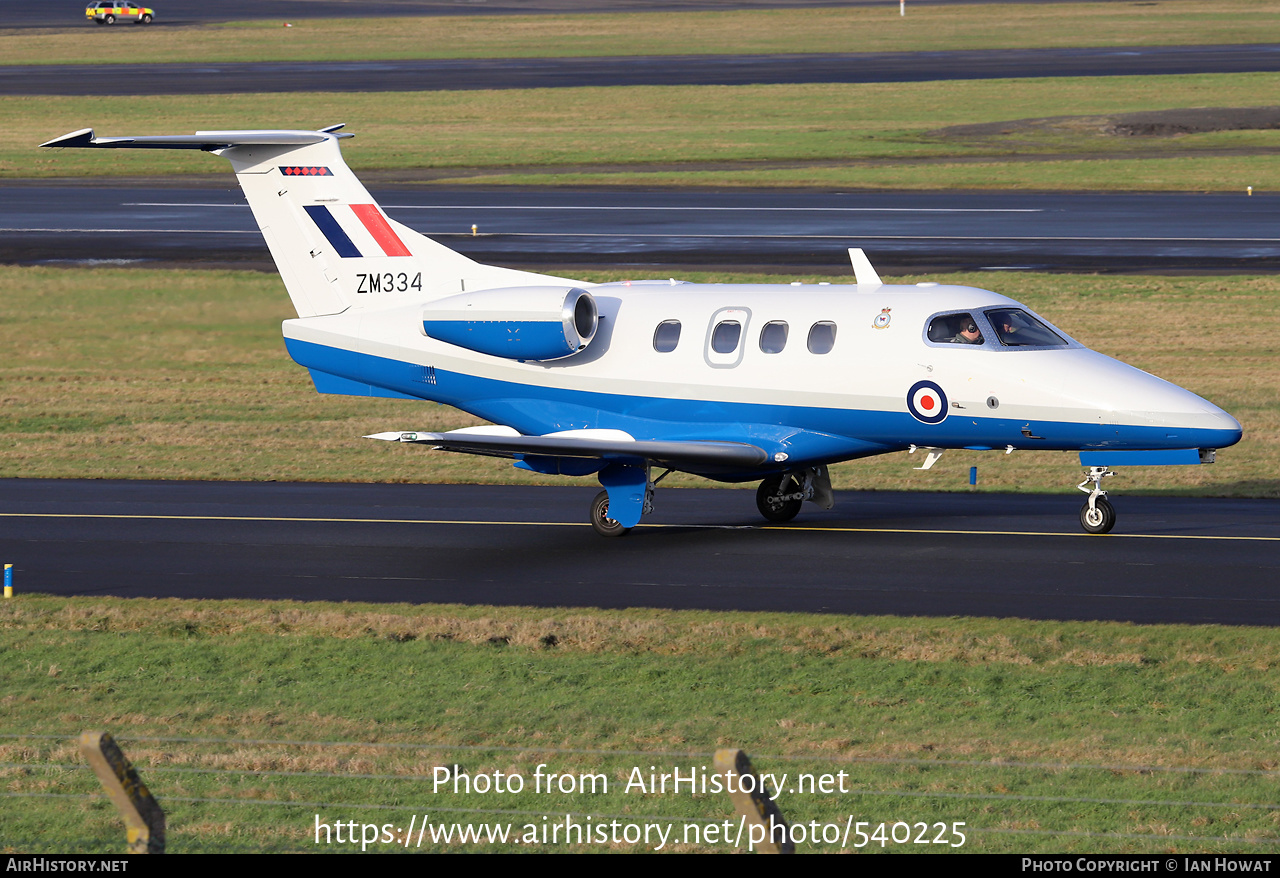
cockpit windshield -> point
(1016, 328)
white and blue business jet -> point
(768, 383)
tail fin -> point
(334, 246)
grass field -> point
(925, 28)
(182, 374)
(1040, 737)
(827, 135)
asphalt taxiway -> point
(667, 229)
(1192, 560)
(632, 70)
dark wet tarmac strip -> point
(1192, 560)
(648, 231)
(508, 73)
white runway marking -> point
(181, 204)
(510, 207)
(849, 237)
(727, 209)
(861, 237)
(146, 231)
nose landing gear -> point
(1097, 515)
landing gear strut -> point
(1097, 515)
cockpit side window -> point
(1016, 328)
(955, 329)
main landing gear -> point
(607, 526)
(600, 520)
(780, 497)
(1097, 515)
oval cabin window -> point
(666, 336)
(773, 338)
(822, 337)
(725, 337)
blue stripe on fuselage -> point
(828, 434)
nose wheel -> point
(1097, 515)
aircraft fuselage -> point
(844, 398)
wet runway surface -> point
(1170, 559)
(655, 229)
(503, 73)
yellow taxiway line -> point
(786, 528)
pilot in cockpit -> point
(968, 332)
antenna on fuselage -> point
(863, 273)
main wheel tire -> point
(110, 19)
(1100, 519)
(773, 509)
(600, 520)
(146, 19)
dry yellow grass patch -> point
(647, 631)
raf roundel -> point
(927, 402)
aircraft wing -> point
(591, 444)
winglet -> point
(332, 129)
(83, 137)
(863, 273)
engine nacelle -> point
(519, 323)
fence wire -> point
(47, 776)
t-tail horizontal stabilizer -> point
(209, 141)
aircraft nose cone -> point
(1229, 427)
(1191, 419)
(1160, 413)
